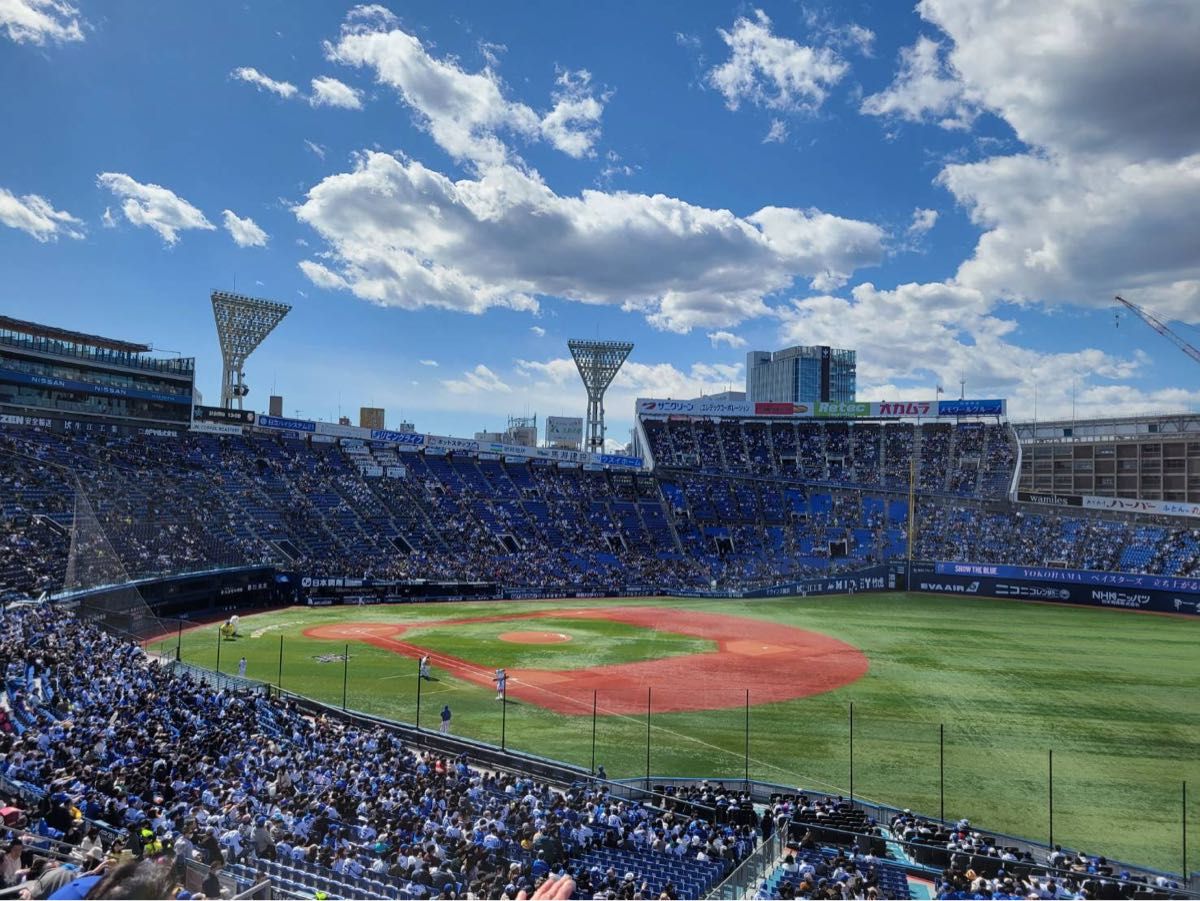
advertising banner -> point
(47, 381)
(1159, 599)
(618, 460)
(1050, 500)
(1139, 581)
(916, 408)
(842, 409)
(215, 428)
(994, 407)
(413, 439)
(202, 413)
(700, 407)
(279, 422)
(451, 444)
(564, 430)
(858, 409)
(762, 408)
(1133, 505)
(39, 422)
(342, 431)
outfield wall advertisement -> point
(1123, 591)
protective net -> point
(95, 567)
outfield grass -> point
(1116, 695)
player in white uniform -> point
(501, 680)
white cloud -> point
(923, 221)
(328, 91)
(478, 380)
(1083, 76)
(39, 21)
(34, 215)
(108, 219)
(154, 206)
(429, 362)
(925, 89)
(573, 126)
(250, 75)
(719, 338)
(372, 12)
(465, 112)
(315, 148)
(403, 235)
(538, 331)
(245, 232)
(1106, 197)
(774, 72)
(848, 36)
(1079, 231)
(777, 133)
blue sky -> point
(955, 190)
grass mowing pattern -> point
(594, 642)
(1115, 694)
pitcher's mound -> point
(534, 637)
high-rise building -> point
(801, 375)
(275, 405)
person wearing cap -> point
(445, 727)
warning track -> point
(776, 662)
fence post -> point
(279, 679)
(746, 753)
(1183, 825)
(345, 675)
(648, 738)
(218, 650)
(1051, 795)
(503, 714)
(593, 732)
(179, 643)
(418, 723)
(852, 752)
(942, 771)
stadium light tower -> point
(242, 324)
(597, 362)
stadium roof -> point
(61, 334)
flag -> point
(940, 390)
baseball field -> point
(1115, 695)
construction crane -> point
(1159, 326)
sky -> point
(447, 192)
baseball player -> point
(501, 680)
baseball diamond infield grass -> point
(1115, 695)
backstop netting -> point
(95, 569)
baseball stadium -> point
(781, 637)
(487, 451)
